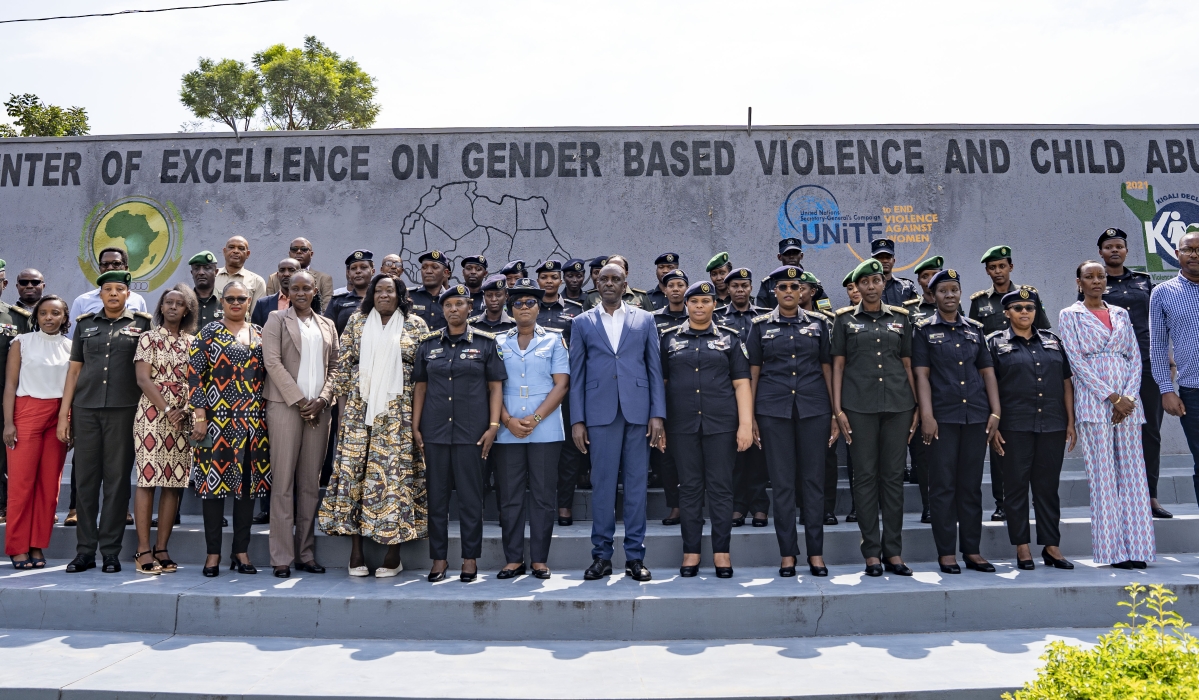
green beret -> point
(866, 268)
(121, 276)
(204, 257)
(718, 260)
(936, 262)
(999, 252)
(848, 279)
(3, 265)
(809, 278)
(1191, 228)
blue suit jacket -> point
(263, 308)
(601, 375)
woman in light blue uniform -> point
(531, 436)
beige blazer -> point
(281, 355)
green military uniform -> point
(210, 309)
(102, 411)
(986, 305)
(877, 398)
(13, 321)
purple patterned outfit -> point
(1105, 362)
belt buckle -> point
(524, 392)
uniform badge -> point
(418, 307)
(896, 327)
(8, 329)
(130, 330)
(1003, 348)
(936, 336)
(435, 353)
(771, 333)
(471, 354)
(677, 344)
(856, 327)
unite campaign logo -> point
(1163, 220)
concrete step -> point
(571, 548)
(116, 666)
(755, 604)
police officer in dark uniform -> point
(98, 403)
(664, 263)
(594, 266)
(435, 269)
(203, 271)
(918, 310)
(474, 271)
(790, 253)
(1130, 290)
(574, 274)
(512, 271)
(556, 311)
(360, 268)
(959, 410)
(14, 321)
(709, 418)
(718, 268)
(750, 477)
(495, 318)
(985, 307)
(661, 462)
(1035, 427)
(458, 383)
(791, 367)
(898, 289)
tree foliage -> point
(226, 92)
(315, 88)
(38, 119)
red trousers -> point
(34, 475)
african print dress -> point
(163, 456)
(378, 484)
(225, 379)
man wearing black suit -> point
(279, 300)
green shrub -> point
(1154, 658)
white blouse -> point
(44, 362)
(311, 377)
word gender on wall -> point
(581, 159)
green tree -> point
(226, 92)
(315, 88)
(37, 119)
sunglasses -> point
(1019, 308)
(301, 249)
(787, 286)
(236, 300)
(29, 283)
(525, 303)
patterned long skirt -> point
(1121, 522)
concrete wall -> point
(951, 190)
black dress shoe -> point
(224, 521)
(820, 571)
(998, 516)
(1026, 564)
(738, 522)
(899, 569)
(211, 571)
(671, 521)
(853, 515)
(262, 518)
(1138, 564)
(565, 521)
(787, 571)
(468, 576)
(830, 519)
(236, 565)
(112, 565)
(635, 568)
(542, 574)
(724, 572)
(985, 567)
(926, 517)
(283, 572)
(1055, 563)
(81, 563)
(760, 522)
(599, 568)
(1123, 565)
(1162, 513)
(689, 571)
(874, 569)
(311, 567)
(435, 576)
(512, 573)
(950, 568)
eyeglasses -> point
(788, 286)
(525, 303)
(1188, 251)
(1018, 308)
(29, 283)
(301, 249)
(114, 265)
(236, 300)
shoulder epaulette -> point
(430, 334)
(911, 302)
(979, 293)
(1139, 274)
(637, 291)
(485, 334)
(759, 319)
(995, 334)
(970, 321)
(1029, 287)
(143, 314)
(571, 301)
(80, 317)
(1049, 333)
(843, 310)
(472, 319)
(925, 321)
(900, 309)
(734, 331)
(828, 314)
(18, 310)
(549, 330)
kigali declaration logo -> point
(1164, 220)
(150, 232)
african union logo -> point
(151, 233)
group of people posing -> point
(392, 399)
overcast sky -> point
(495, 64)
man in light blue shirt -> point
(108, 260)
(531, 434)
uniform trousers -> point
(1151, 429)
(213, 510)
(521, 465)
(34, 475)
(1121, 522)
(618, 448)
(297, 455)
(830, 476)
(1033, 459)
(666, 467)
(918, 452)
(571, 463)
(879, 450)
(705, 469)
(955, 483)
(103, 464)
(751, 480)
(795, 454)
(996, 476)
(455, 468)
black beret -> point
(479, 260)
(701, 289)
(786, 272)
(494, 283)
(949, 275)
(674, 275)
(360, 256)
(457, 290)
(882, 245)
(574, 265)
(1021, 294)
(121, 276)
(549, 266)
(741, 273)
(513, 267)
(790, 244)
(1111, 233)
(667, 259)
(598, 262)
(525, 287)
(438, 257)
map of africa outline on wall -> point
(135, 234)
(456, 220)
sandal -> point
(152, 568)
(38, 562)
(19, 565)
(168, 566)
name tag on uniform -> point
(435, 353)
(1003, 348)
(677, 344)
(896, 327)
(936, 336)
(470, 354)
(770, 333)
(986, 310)
(971, 336)
(89, 332)
(855, 327)
(1050, 344)
(418, 307)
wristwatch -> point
(537, 417)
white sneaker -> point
(384, 572)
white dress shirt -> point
(614, 323)
(311, 377)
(44, 362)
(90, 303)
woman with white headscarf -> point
(377, 488)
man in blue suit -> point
(616, 397)
(277, 301)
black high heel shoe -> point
(468, 576)
(724, 572)
(235, 565)
(899, 569)
(689, 571)
(950, 568)
(1055, 563)
(212, 571)
(984, 567)
(512, 573)
(820, 571)
(874, 570)
(787, 571)
(1026, 564)
(435, 576)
